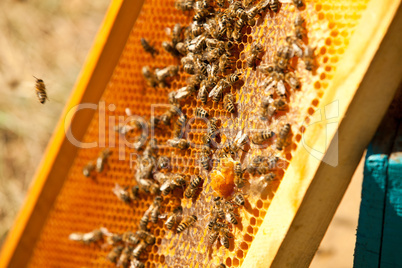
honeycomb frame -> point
(255, 248)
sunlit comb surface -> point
(85, 204)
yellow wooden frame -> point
(311, 189)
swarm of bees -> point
(207, 50)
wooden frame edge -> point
(311, 190)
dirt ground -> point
(50, 39)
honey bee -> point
(170, 48)
(266, 111)
(193, 187)
(300, 31)
(88, 169)
(200, 112)
(148, 238)
(238, 199)
(181, 144)
(172, 218)
(254, 164)
(176, 34)
(144, 220)
(262, 136)
(214, 54)
(131, 238)
(148, 48)
(181, 48)
(267, 179)
(41, 90)
(239, 179)
(102, 160)
(136, 264)
(124, 195)
(168, 115)
(214, 233)
(197, 44)
(230, 216)
(267, 165)
(292, 80)
(139, 249)
(221, 265)
(274, 5)
(205, 157)
(155, 211)
(224, 63)
(218, 210)
(113, 255)
(87, 238)
(237, 31)
(169, 71)
(184, 5)
(228, 102)
(298, 3)
(181, 93)
(253, 56)
(180, 126)
(149, 76)
(283, 135)
(186, 223)
(203, 92)
(308, 58)
(171, 183)
(240, 140)
(283, 55)
(225, 236)
(124, 259)
(213, 125)
(163, 162)
(216, 92)
(196, 29)
(113, 239)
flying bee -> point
(156, 209)
(170, 48)
(239, 180)
(262, 136)
(225, 236)
(292, 80)
(87, 238)
(228, 103)
(149, 76)
(88, 169)
(195, 183)
(148, 48)
(186, 223)
(254, 164)
(139, 249)
(253, 56)
(124, 259)
(283, 135)
(113, 255)
(41, 90)
(172, 218)
(136, 264)
(171, 183)
(102, 160)
(238, 199)
(176, 34)
(200, 112)
(181, 144)
(163, 162)
(308, 58)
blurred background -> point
(50, 39)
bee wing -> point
(271, 85)
(117, 189)
(286, 1)
(182, 93)
(298, 51)
(215, 90)
(281, 87)
(75, 236)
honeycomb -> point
(85, 204)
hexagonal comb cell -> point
(85, 204)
